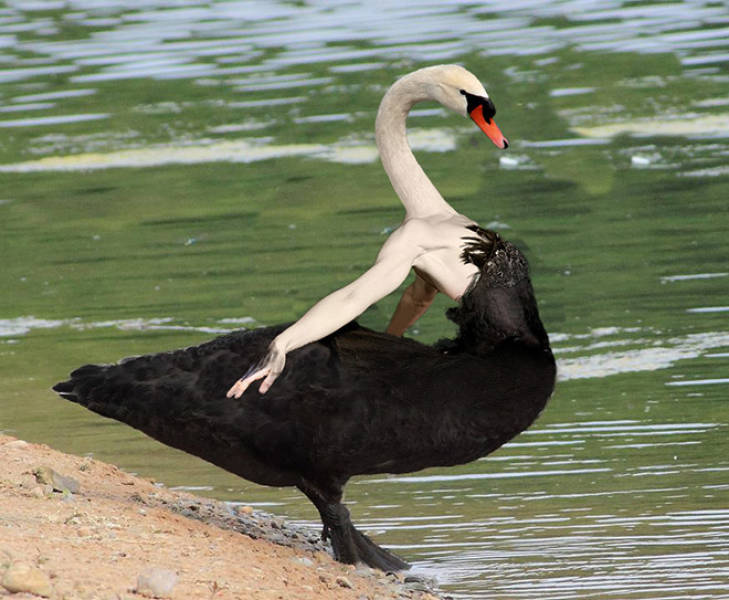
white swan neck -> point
(416, 192)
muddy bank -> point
(74, 528)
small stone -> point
(137, 497)
(244, 510)
(74, 520)
(342, 581)
(156, 583)
(416, 583)
(22, 577)
(307, 562)
(16, 444)
(42, 491)
(364, 571)
(47, 476)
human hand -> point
(270, 367)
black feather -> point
(355, 402)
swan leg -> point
(348, 544)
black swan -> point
(355, 402)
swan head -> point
(460, 90)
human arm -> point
(337, 309)
(415, 300)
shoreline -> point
(86, 530)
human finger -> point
(268, 382)
(240, 386)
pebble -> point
(416, 583)
(47, 476)
(137, 497)
(42, 491)
(364, 571)
(307, 562)
(259, 524)
(84, 532)
(156, 583)
(22, 577)
(16, 444)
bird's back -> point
(355, 402)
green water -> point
(178, 171)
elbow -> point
(425, 302)
(419, 300)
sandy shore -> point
(94, 541)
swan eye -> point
(474, 101)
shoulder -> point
(409, 240)
(412, 231)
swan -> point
(349, 400)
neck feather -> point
(417, 193)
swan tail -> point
(147, 392)
(82, 380)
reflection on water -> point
(347, 151)
(695, 126)
(580, 506)
(175, 171)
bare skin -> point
(431, 246)
(415, 300)
(429, 240)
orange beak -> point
(488, 126)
